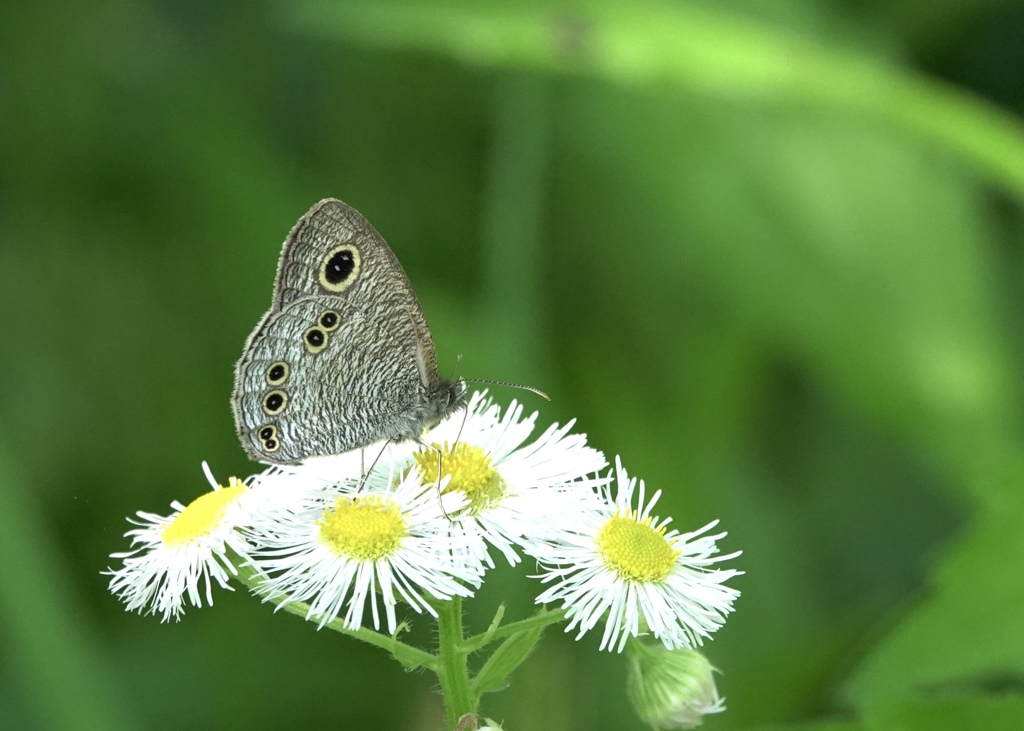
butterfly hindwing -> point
(332, 392)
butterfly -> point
(343, 358)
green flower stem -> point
(454, 666)
(542, 619)
(410, 656)
(513, 251)
(451, 664)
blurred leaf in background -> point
(770, 253)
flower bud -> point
(670, 688)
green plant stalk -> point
(513, 238)
(453, 655)
(691, 48)
(412, 656)
(451, 664)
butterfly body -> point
(344, 357)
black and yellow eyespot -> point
(274, 402)
(268, 438)
(329, 320)
(278, 373)
(339, 268)
(315, 339)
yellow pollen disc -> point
(635, 550)
(364, 528)
(471, 471)
(203, 514)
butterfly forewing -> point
(378, 284)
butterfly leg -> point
(365, 472)
(427, 445)
(465, 415)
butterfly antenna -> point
(455, 368)
(531, 389)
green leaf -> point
(926, 714)
(814, 726)
(499, 614)
(955, 714)
(411, 658)
(969, 630)
(503, 661)
(835, 243)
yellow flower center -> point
(203, 514)
(364, 528)
(635, 550)
(471, 471)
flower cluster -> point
(422, 524)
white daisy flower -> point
(513, 489)
(181, 556)
(313, 474)
(333, 546)
(622, 564)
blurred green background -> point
(770, 253)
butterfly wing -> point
(344, 356)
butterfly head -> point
(450, 396)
